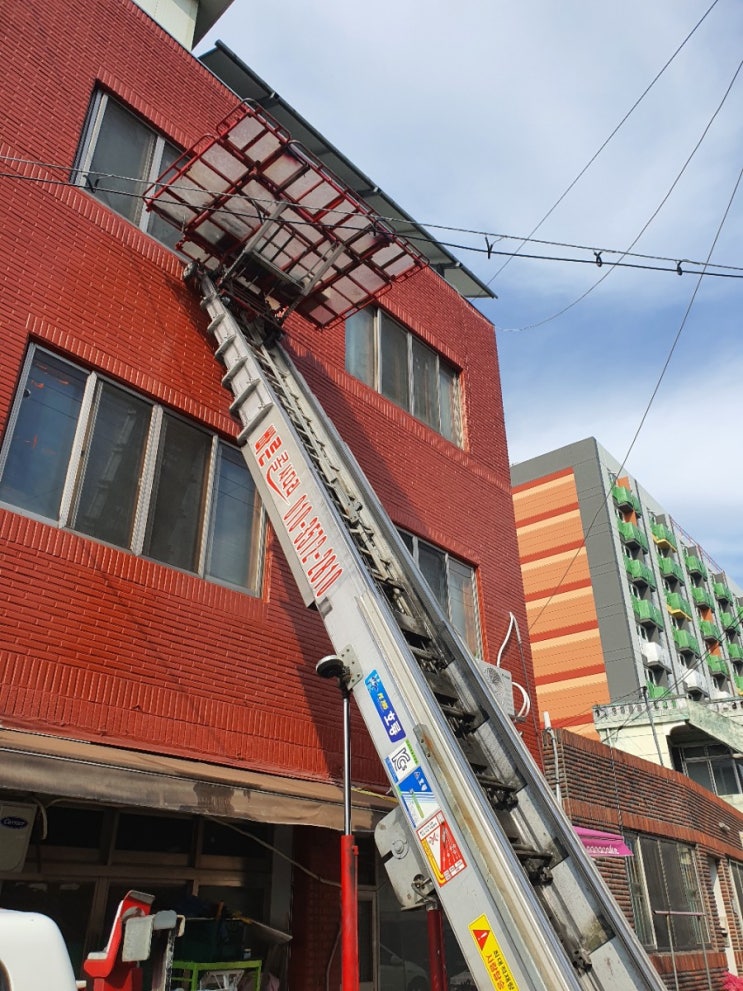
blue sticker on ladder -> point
(417, 797)
(384, 707)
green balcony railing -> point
(686, 642)
(729, 621)
(663, 535)
(639, 572)
(716, 664)
(625, 499)
(722, 592)
(735, 652)
(677, 605)
(738, 679)
(694, 565)
(670, 568)
(710, 631)
(632, 534)
(656, 691)
(647, 612)
(702, 598)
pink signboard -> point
(600, 844)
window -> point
(665, 892)
(713, 767)
(736, 869)
(453, 584)
(93, 456)
(388, 358)
(120, 157)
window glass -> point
(449, 403)
(425, 384)
(178, 496)
(640, 907)
(79, 442)
(157, 226)
(726, 778)
(462, 602)
(393, 362)
(453, 584)
(432, 563)
(36, 466)
(107, 498)
(388, 358)
(122, 155)
(235, 521)
(669, 887)
(360, 346)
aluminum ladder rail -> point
(523, 898)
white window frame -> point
(143, 509)
(647, 908)
(476, 647)
(375, 381)
(89, 142)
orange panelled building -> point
(623, 606)
(563, 625)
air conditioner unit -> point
(500, 683)
(652, 652)
(16, 823)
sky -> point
(477, 117)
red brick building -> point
(162, 723)
(683, 886)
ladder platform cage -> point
(274, 227)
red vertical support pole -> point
(436, 956)
(349, 914)
(349, 867)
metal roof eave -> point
(235, 74)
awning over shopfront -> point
(45, 765)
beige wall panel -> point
(569, 653)
(550, 534)
(564, 611)
(546, 573)
(544, 497)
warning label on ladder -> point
(441, 849)
(492, 955)
(417, 797)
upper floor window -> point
(453, 583)
(388, 358)
(665, 892)
(106, 462)
(119, 157)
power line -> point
(680, 265)
(645, 414)
(613, 133)
(620, 263)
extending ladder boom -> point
(476, 825)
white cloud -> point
(479, 114)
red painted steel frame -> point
(436, 955)
(349, 914)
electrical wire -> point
(648, 406)
(596, 254)
(624, 119)
(620, 264)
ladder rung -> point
(224, 345)
(215, 322)
(242, 437)
(242, 396)
(234, 369)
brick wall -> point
(95, 643)
(607, 789)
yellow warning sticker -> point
(492, 955)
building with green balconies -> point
(640, 610)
